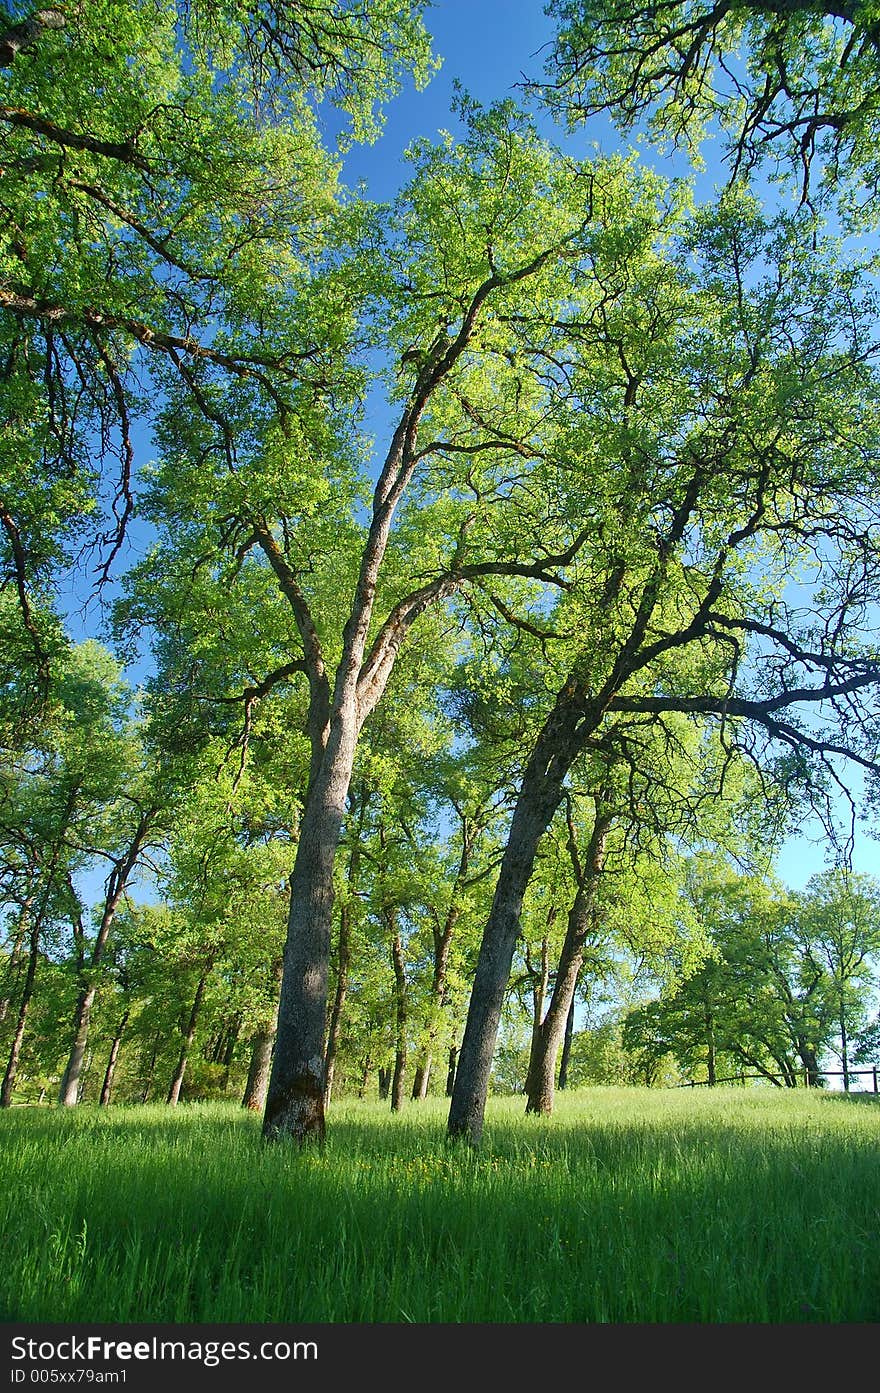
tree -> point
(161, 172)
(840, 920)
(58, 792)
(711, 490)
(789, 80)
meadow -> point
(629, 1205)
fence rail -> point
(803, 1078)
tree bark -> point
(566, 1048)
(547, 1039)
(450, 1070)
(120, 875)
(254, 1098)
(343, 967)
(177, 1081)
(442, 945)
(295, 1097)
(262, 1045)
(538, 799)
(107, 1086)
(8, 1085)
(14, 963)
(400, 1015)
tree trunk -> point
(438, 1001)
(68, 1093)
(366, 1071)
(547, 1040)
(398, 1090)
(295, 1097)
(844, 1047)
(566, 1048)
(151, 1069)
(384, 1083)
(119, 877)
(710, 1047)
(8, 1086)
(107, 1085)
(177, 1081)
(539, 798)
(254, 1098)
(450, 1071)
(442, 944)
(335, 1030)
(14, 963)
(262, 1045)
(540, 981)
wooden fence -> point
(803, 1079)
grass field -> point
(628, 1205)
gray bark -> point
(547, 1039)
(295, 1097)
(118, 879)
(107, 1085)
(400, 1015)
(262, 1045)
(177, 1081)
(539, 798)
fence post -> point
(875, 1078)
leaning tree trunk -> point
(14, 964)
(400, 1016)
(8, 1085)
(107, 1085)
(68, 1093)
(177, 1081)
(547, 1039)
(121, 874)
(539, 798)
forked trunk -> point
(548, 1039)
(539, 797)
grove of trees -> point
(499, 564)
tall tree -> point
(712, 490)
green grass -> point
(628, 1205)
